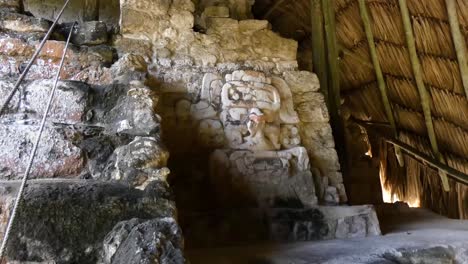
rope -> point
(28, 67)
(33, 154)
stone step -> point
(71, 100)
(56, 156)
(241, 226)
(67, 221)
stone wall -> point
(182, 61)
(98, 186)
(229, 88)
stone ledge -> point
(280, 225)
(67, 221)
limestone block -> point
(216, 11)
(19, 23)
(324, 222)
(140, 241)
(15, 47)
(266, 43)
(140, 47)
(311, 107)
(90, 33)
(319, 133)
(331, 196)
(141, 162)
(133, 113)
(56, 156)
(250, 26)
(129, 67)
(69, 106)
(263, 177)
(75, 217)
(325, 159)
(302, 81)
(15, 4)
(81, 64)
(86, 10)
(6, 86)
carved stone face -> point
(234, 97)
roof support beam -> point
(334, 99)
(453, 173)
(459, 41)
(319, 60)
(380, 78)
(423, 93)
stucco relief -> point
(249, 120)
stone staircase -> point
(98, 186)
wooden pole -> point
(380, 78)
(334, 77)
(319, 52)
(459, 41)
(453, 173)
(334, 99)
(423, 93)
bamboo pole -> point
(380, 78)
(318, 46)
(459, 41)
(334, 77)
(456, 175)
(334, 99)
(423, 93)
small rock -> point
(90, 33)
(137, 242)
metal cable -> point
(33, 153)
(28, 67)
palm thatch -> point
(441, 76)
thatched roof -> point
(440, 70)
(441, 75)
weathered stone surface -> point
(129, 67)
(432, 255)
(56, 156)
(302, 81)
(85, 64)
(263, 178)
(311, 107)
(225, 40)
(141, 162)
(76, 10)
(90, 33)
(137, 241)
(133, 113)
(69, 105)
(324, 223)
(15, 4)
(280, 224)
(318, 139)
(67, 222)
(23, 24)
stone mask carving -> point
(242, 94)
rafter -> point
(380, 78)
(423, 93)
(458, 41)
